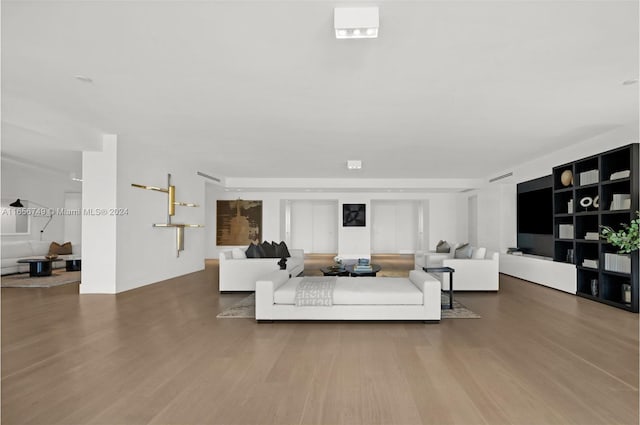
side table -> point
(444, 270)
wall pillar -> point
(100, 177)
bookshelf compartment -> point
(561, 202)
(587, 227)
(617, 289)
(615, 162)
(587, 171)
(616, 196)
(587, 199)
(587, 255)
(589, 282)
(564, 252)
(563, 172)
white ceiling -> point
(263, 89)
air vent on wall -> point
(504, 176)
(207, 176)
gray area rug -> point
(246, 309)
(23, 280)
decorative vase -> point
(626, 293)
(594, 287)
(570, 256)
(566, 178)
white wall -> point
(73, 223)
(46, 187)
(146, 254)
(394, 227)
(440, 216)
(314, 225)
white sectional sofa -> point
(241, 274)
(355, 298)
(479, 273)
(12, 251)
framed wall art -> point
(238, 222)
(354, 215)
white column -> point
(99, 174)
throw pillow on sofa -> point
(252, 251)
(269, 250)
(443, 247)
(463, 251)
(56, 249)
(238, 254)
(282, 251)
(479, 253)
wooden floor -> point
(158, 355)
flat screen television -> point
(535, 216)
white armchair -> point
(472, 274)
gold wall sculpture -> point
(171, 211)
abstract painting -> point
(238, 222)
(354, 215)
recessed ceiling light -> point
(354, 164)
(630, 82)
(83, 78)
(356, 22)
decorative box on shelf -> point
(588, 177)
(618, 263)
(565, 231)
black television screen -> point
(535, 216)
(535, 212)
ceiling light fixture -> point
(354, 164)
(356, 22)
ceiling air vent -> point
(504, 176)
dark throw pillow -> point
(268, 250)
(443, 247)
(252, 251)
(282, 251)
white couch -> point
(433, 258)
(480, 273)
(241, 274)
(355, 298)
(12, 251)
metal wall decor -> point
(171, 211)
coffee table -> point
(375, 268)
(333, 271)
(39, 267)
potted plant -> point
(626, 239)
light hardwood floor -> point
(158, 355)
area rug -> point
(246, 309)
(23, 280)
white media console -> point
(541, 270)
